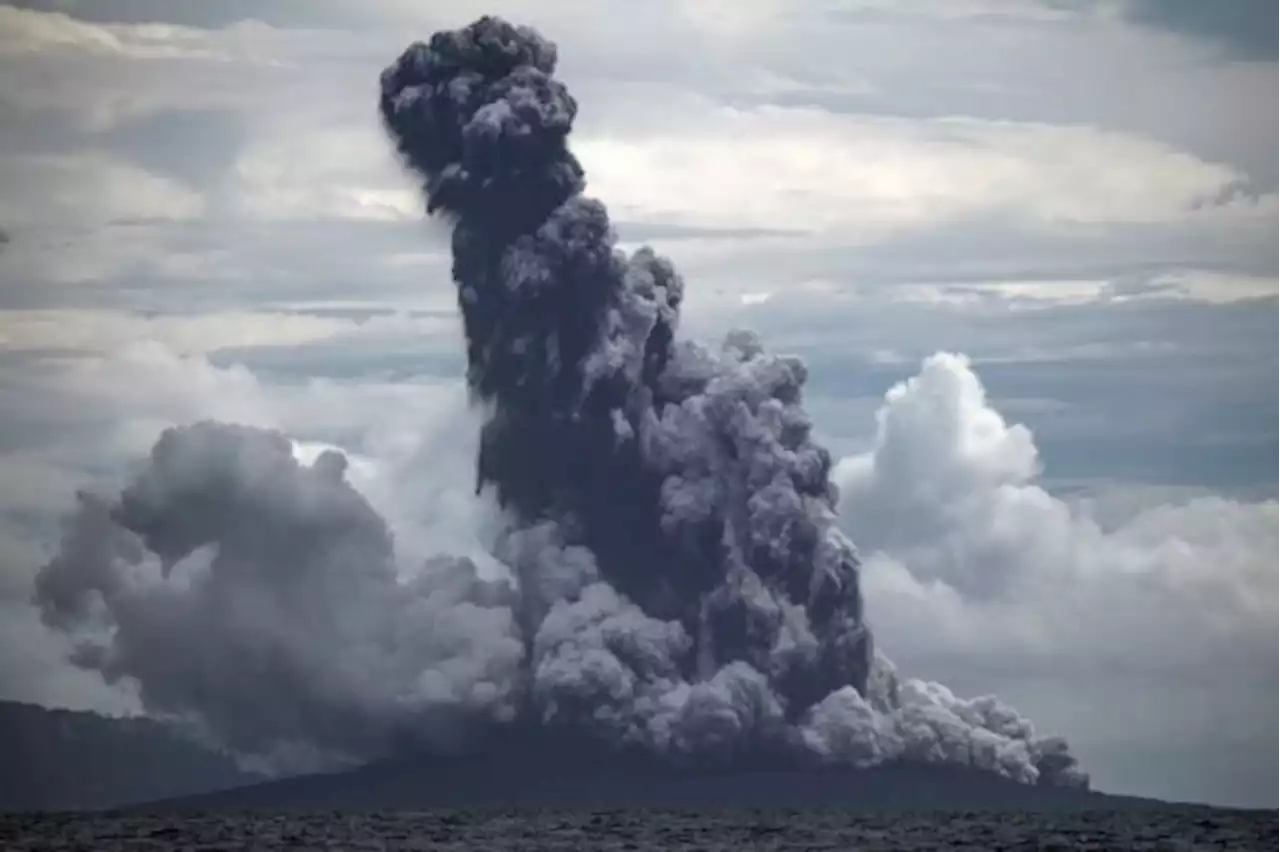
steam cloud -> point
(677, 579)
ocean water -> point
(679, 831)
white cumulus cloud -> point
(971, 564)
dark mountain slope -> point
(426, 785)
(543, 772)
(65, 760)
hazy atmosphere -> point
(1026, 249)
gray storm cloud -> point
(677, 581)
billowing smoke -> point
(677, 580)
(232, 582)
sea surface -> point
(679, 831)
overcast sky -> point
(202, 218)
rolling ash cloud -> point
(677, 580)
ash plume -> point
(678, 583)
(232, 582)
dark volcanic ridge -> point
(72, 760)
(553, 774)
(77, 761)
(486, 784)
